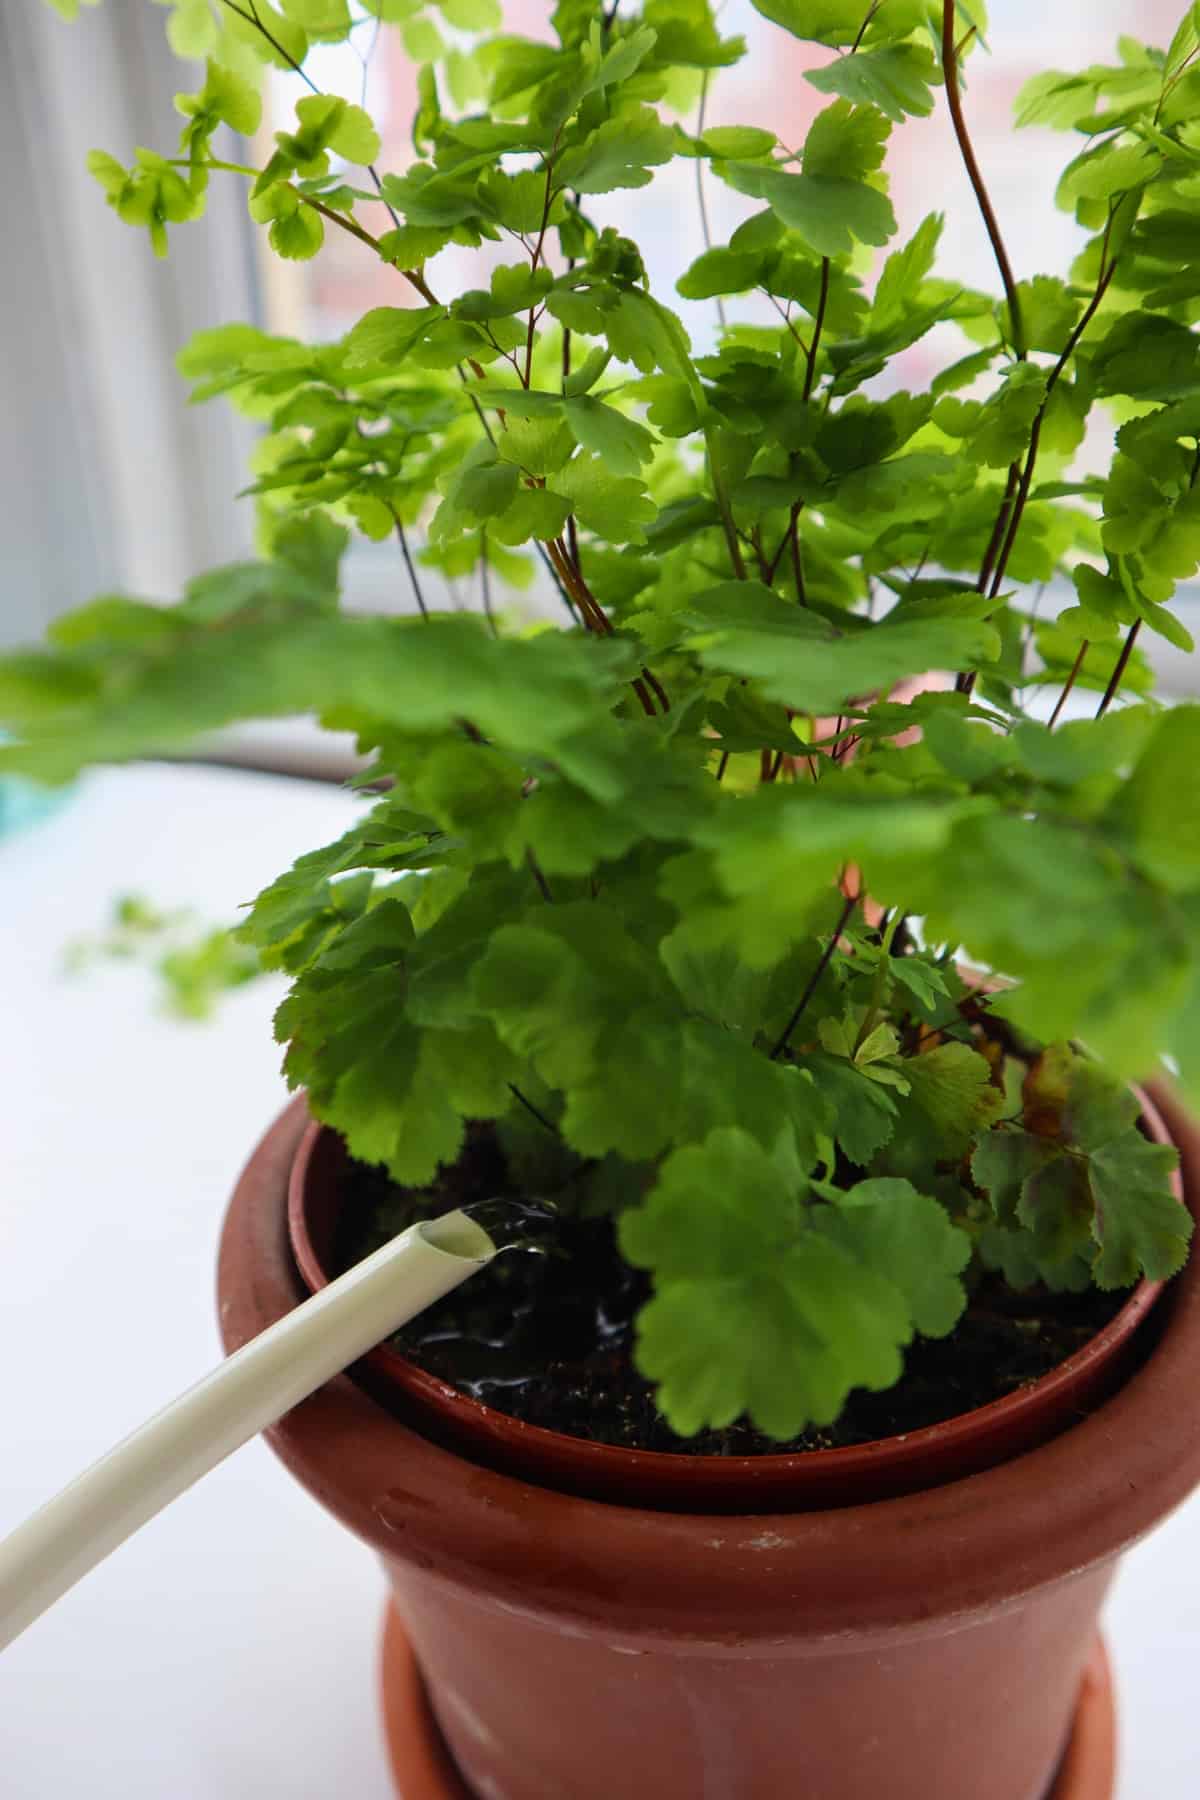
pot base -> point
(424, 1770)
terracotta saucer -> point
(423, 1770)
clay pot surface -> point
(930, 1644)
(424, 1769)
(740, 1484)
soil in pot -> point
(548, 1338)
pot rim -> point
(917, 1563)
(959, 1444)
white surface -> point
(240, 1397)
(228, 1651)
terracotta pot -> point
(424, 1768)
(740, 1484)
(925, 1647)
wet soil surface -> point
(548, 1337)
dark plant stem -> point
(975, 176)
(814, 979)
(547, 202)
(1014, 511)
(862, 30)
(252, 18)
(408, 563)
(818, 325)
(1110, 692)
(998, 529)
(535, 871)
(793, 534)
(594, 617)
(656, 686)
(485, 583)
(722, 765)
(532, 1109)
(1068, 685)
(1035, 436)
(726, 511)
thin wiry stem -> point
(408, 563)
(818, 324)
(1068, 685)
(975, 176)
(705, 230)
(814, 979)
(531, 1108)
(485, 578)
(1110, 692)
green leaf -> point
(319, 18)
(904, 271)
(297, 231)
(387, 333)
(738, 141)
(832, 22)
(720, 272)
(829, 211)
(614, 507)
(472, 15)
(226, 98)
(801, 661)
(622, 443)
(1165, 835)
(952, 1089)
(887, 1225)
(329, 123)
(846, 142)
(766, 1307)
(864, 1112)
(366, 1067)
(896, 78)
(618, 154)
(1142, 1228)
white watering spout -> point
(68, 1536)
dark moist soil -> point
(548, 1337)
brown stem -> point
(593, 614)
(975, 176)
(1035, 435)
(825, 959)
(538, 876)
(656, 686)
(1110, 692)
(1068, 685)
(997, 537)
(966, 682)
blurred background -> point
(111, 481)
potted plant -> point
(801, 1459)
